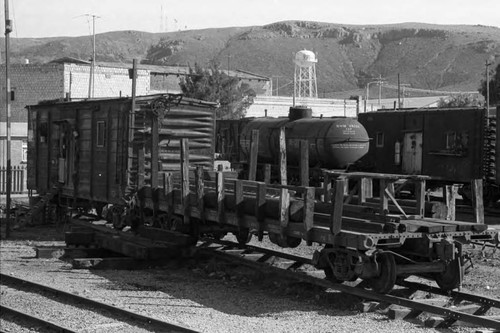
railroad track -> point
(450, 310)
(115, 318)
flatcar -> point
(148, 160)
(455, 145)
(334, 143)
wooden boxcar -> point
(98, 150)
(453, 145)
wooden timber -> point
(293, 211)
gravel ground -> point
(208, 297)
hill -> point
(434, 57)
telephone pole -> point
(8, 30)
(92, 60)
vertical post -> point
(219, 188)
(260, 206)
(420, 196)
(200, 190)
(239, 200)
(283, 173)
(308, 213)
(154, 150)
(399, 92)
(366, 189)
(284, 209)
(8, 30)
(338, 206)
(185, 178)
(384, 201)
(327, 186)
(450, 194)
(140, 166)
(477, 199)
(267, 173)
(254, 150)
(168, 191)
(304, 162)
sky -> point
(55, 18)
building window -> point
(101, 133)
(451, 140)
(379, 139)
(24, 151)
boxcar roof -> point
(145, 98)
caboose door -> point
(412, 153)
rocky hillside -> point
(434, 57)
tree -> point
(494, 87)
(213, 85)
(459, 101)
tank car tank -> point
(334, 143)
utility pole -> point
(379, 88)
(487, 64)
(399, 92)
(8, 30)
(92, 60)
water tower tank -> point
(305, 58)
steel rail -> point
(448, 314)
(165, 326)
(39, 321)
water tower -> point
(305, 75)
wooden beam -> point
(283, 162)
(254, 151)
(308, 212)
(366, 190)
(239, 201)
(219, 190)
(420, 196)
(338, 205)
(260, 207)
(384, 202)
(284, 209)
(477, 199)
(267, 173)
(304, 162)
(450, 195)
(154, 150)
(185, 179)
(200, 191)
(327, 187)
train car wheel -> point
(452, 277)
(330, 276)
(387, 278)
(243, 236)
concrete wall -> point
(108, 81)
(278, 106)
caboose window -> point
(101, 133)
(451, 140)
(379, 139)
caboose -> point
(456, 145)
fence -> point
(18, 179)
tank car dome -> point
(305, 58)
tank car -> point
(334, 143)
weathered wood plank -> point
(283, 160)
(254, 151)
(338, 202)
